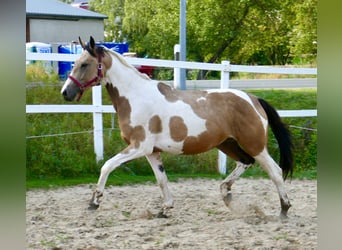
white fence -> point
(98, 109)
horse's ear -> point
(92, 43)
(81, 42)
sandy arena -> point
(129, 217)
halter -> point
(97, 78)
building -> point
(54, 22)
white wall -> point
(60, 31)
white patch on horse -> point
(201, 99)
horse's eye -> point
(84, 65)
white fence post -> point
(225, 74)
(97, 123)
(222, 157)
(176, 71)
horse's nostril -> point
(65, 95)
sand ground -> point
(128, 217)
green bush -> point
(38, 72)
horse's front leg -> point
(157, 166)
(128, 154)
(228, 182)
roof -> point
(56, 9)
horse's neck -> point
(125, 77)
(128, 81)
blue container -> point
(64, 68)
(117, 47)
(37, 47)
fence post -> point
(176, 71)
(97, 123)
(222, 158)
(225, 74)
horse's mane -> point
(124, 62)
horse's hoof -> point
(283, 217)
(93, 206)
(227, 199)
(162, 214)
(284, 208)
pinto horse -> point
(154, 117)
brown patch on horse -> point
(170, 94)
(137, 135)
(107, 62)
(132, 135)
(197, 144)
(113, 94)
(155, 125)
(178, 129)
(227, 116)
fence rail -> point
(186, 65)
(98, 109)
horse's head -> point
(87, 71)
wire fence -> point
(112, 129)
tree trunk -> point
(202, 74)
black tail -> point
(283, 136)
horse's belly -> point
(196, 145)
(170, 146)
(190, 145)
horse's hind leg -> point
(226, 185)
(243, 160)
(275, 173)
(157, 166)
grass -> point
(113, 180)
(127, 179)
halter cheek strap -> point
(84, 86)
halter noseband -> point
(97, 78)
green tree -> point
(242, 31)
(114, 9)
(152, 26)
(304, 36)
(264, 38)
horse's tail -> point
(283, 136)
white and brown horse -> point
(155, 117)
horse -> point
(155, 117)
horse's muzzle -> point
(65, 95)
